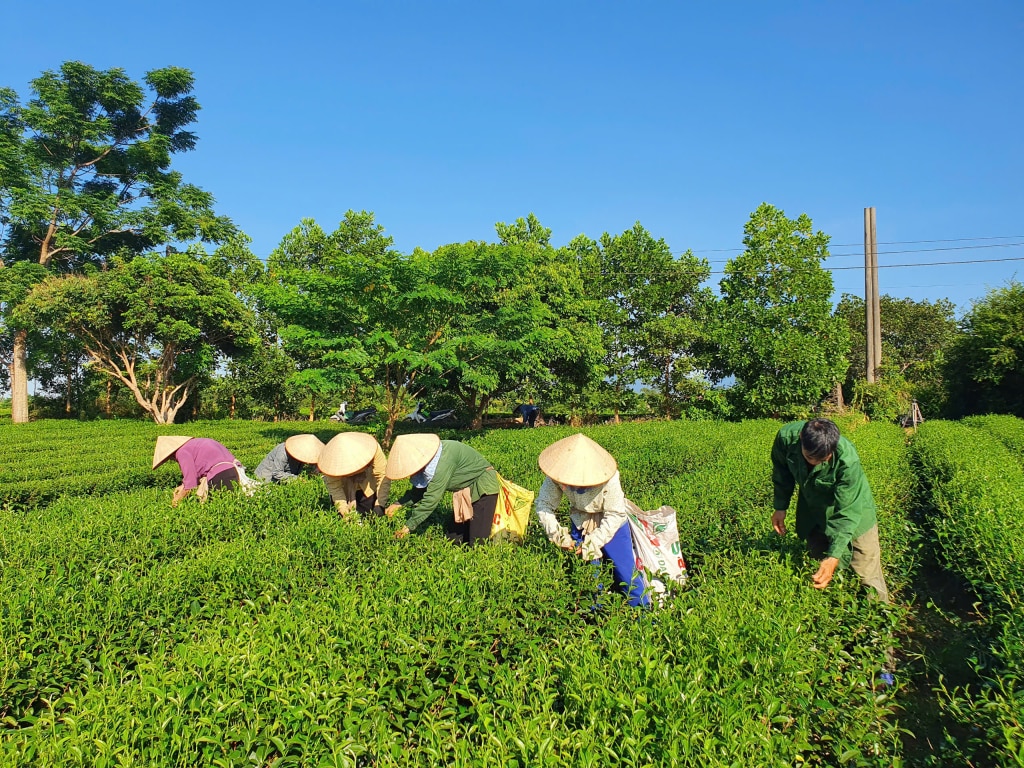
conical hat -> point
(410, 454)
(347, 453)
(578, 461)
(304, 448)
(166, 445)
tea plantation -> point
(266, 631)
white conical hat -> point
(577, 460)
(347, 453)
(410, 454)
(304, 448)
(166, 445)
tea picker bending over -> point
(285, 460)
(435, 466)
(353, 465)
(583, 472)
(835, 511)
(205, 464)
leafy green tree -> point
(154, 323)
(916, 336)
(775, 331)
(526, 232)
(661, 309)
(985, 366)
(652, 315)
(516, 327)
(86, 174)
(352, 310)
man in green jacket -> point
(835, 511)
(435, 466)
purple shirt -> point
(202, 457)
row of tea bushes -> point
(1009, 430)
(976, 496)
(265, 631)
(45, 460)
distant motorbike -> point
(431, 417)
(365, 416)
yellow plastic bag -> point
(512, 513)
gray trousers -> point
(866, 561)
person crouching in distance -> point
(353, 465)
(205, 464)
(285, 460)
(435, 466)
(835, 510)
(584, 473)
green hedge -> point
(975, 492)
(266, 631)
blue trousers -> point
(619, 550)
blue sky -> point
(445, 117)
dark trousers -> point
(478, 528)
(628, 580)
(365, 504)
(225, 479)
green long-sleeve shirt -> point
(460, 466)
(834, 497)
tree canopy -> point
(775, 331)
(85, 174)
(155, 323)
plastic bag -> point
(512, 512)
(656, 545)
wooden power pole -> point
(872, 305)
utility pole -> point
(872, 305)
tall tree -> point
(352, 309)
(86, 174)
(916, 336)
(775, 331)
(985, 367)
(155, 323)
(657, 312)
(513, 330)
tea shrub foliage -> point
(267, 631)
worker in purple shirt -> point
(199, 458)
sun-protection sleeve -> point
(336, 487)
(614, 516)
(380, 481)
(548, 499)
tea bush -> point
(976, 494)
(267, 631)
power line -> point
(912, 250)
(937, 263)
(886, 242)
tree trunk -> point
(19, 379)
(837, 395)
(110, 387)
(232, 411)
(67, 395)
(312, 406)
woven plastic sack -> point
(512, 512)
(656, 544)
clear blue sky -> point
(445, 117)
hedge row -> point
(266, 631)
(976, 497)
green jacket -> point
(834, 497)
(459, 467)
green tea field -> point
(266, 631)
